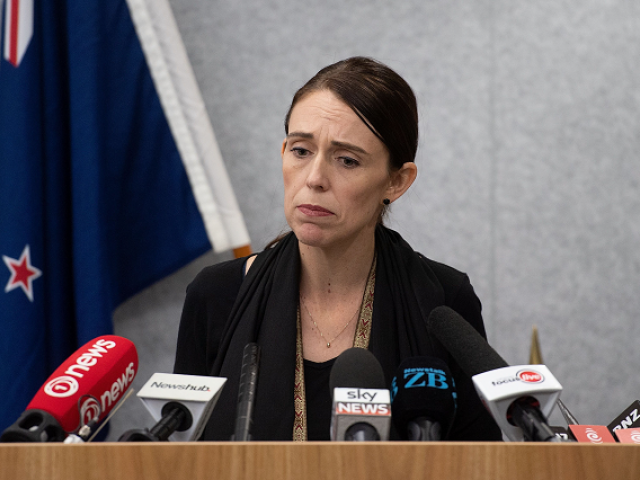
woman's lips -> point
(314, 210)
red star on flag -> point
(22, 273)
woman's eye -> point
(300, 152)
(349, 162)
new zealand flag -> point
(96, 201)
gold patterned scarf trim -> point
(360, 340)
(299, 401)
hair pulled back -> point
(379, 96)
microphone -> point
(361, 410)
(628, 435)
(597, 434)
(629, 418)
(181, 404)
(423, 399)
(519, 397)
(79, 393)
(247, 392)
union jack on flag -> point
(18, 29)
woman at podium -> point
(339, 279)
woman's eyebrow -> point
(335, 143)
(300, 134)
(349, 146)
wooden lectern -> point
(320, 460)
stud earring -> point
(386, 201)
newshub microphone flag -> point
(110, 175)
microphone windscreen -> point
(89, 383)
(463, 342)
(356, 368)
(423, 388)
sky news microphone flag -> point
(110, 175)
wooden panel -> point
(321, 461)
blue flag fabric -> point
(95, 203)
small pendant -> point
(328, 344)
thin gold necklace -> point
(316, 325)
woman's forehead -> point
(322, 112)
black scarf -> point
(265, 312)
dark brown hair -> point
(379, 96)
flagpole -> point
(243, 251)
(535, 358)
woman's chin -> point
(311, 238)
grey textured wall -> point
(528, 171)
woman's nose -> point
(317, 176)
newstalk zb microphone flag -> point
(110, 175)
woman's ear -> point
(401, 180)
(284, 145)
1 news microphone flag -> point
(110, 175)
